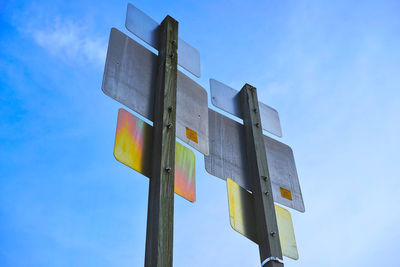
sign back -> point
(227, 159)
(129, 77)
(227, 98)
(134, 148)
(243, 220)
(144, 27)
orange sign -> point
(191, 135)
(286, 193)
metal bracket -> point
(271, 259)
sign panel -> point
(134, 148)
(228, 159)
(228, 99)
(144, 27)
(129, 77)
(243, 220)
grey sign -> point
(144, 27)
(130, 76)
(227, 98)
(227, 159)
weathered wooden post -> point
(267, 228)
(160, 214)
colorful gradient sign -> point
(242, 219)
(134, 146)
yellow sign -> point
(134, 148)
(191, 135)
(241, 210)
(242, 219)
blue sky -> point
(331, 69)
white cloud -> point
(71, 41)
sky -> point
(330, 68)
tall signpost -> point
(267, 228)
(258, 169)
(160, 216)
(152, 86)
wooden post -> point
(267, 228)
(160, 214)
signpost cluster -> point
(259, 171)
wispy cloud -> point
(70, 40)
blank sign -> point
(144, 27)
(130, 75)
(227, 99)
(227, 159)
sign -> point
(242, 219)
(129, 77)
(134, 148)
(144, 27)
(227, 158)
(227, 98)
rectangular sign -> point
(134, 148)
(227, 158)
(144, 27)
(192, 135)
(130, 77)
(228, 99)
(242, 219)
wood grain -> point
(267, 228)
(160, 214)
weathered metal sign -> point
(227, 159)
(227, 98)
(129, 77)
(144, 27)
(134, 148)
(242, 219)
